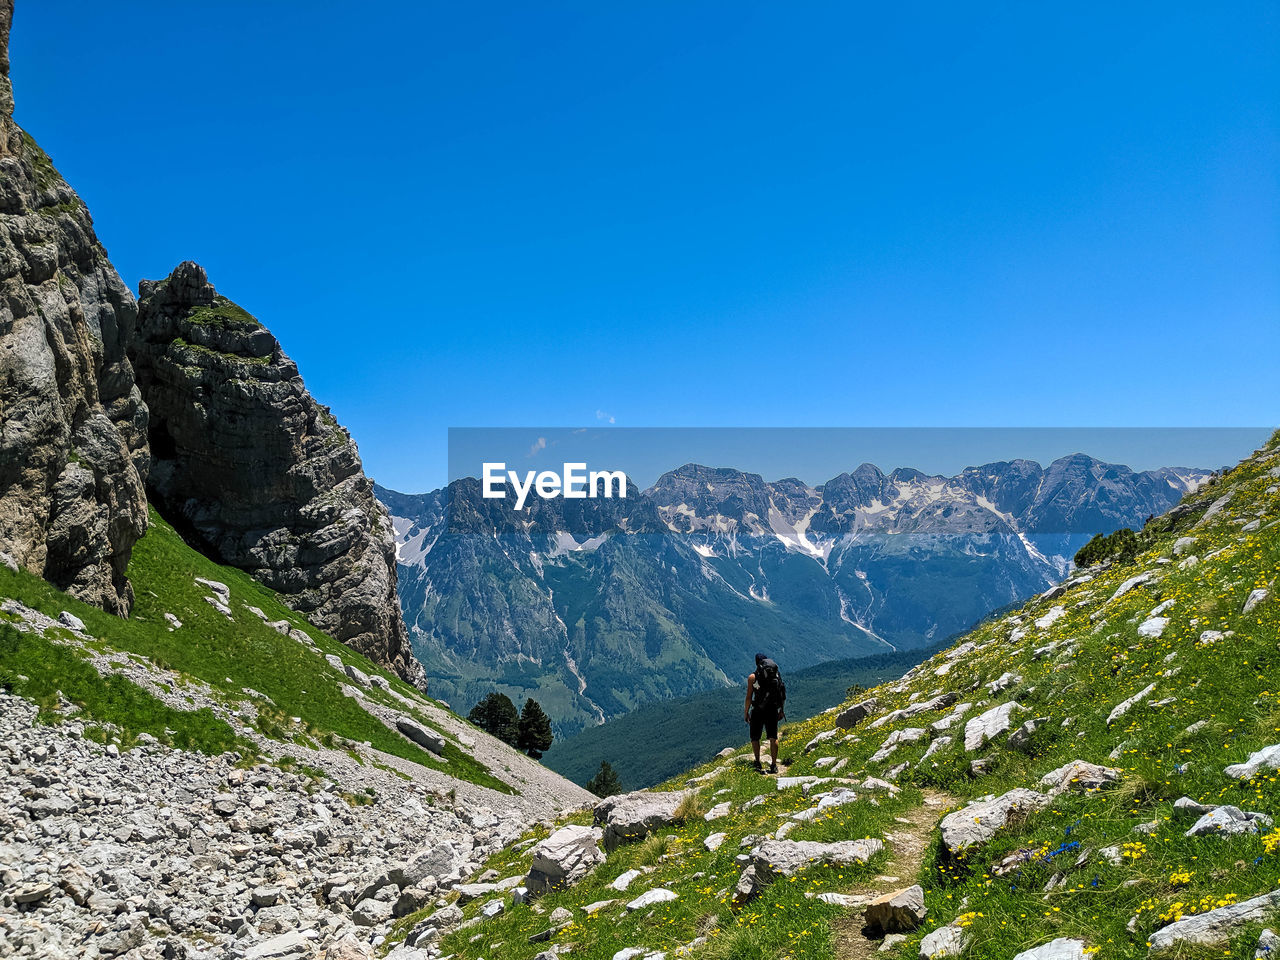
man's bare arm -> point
(746, 707)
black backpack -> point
(772, 686)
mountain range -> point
(594, 607)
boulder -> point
(1050, 618)
(980, 821)
(898, 912)
(29, 893)
(891, 743)
(1268, 758)
(1255, 597)
(852, 716)
(1215, 927)
(651, 897)
(718, 811)
(1268, 946)
(1153, 627)
(349, 948)
(287, 946)
(420, 735)
(1122, 708)
(748, 887)
(1060, 949)
(786, 783)
(1022, 738)
(631, 816)
(987, 726)
(626, 878)
(1079, 776)
(1185, 807)
(787, 857)
(1227, 821)
(820, 739)
(948, 941)
(424, 869)
(564, 858)
(371, 912)
(71, 621)
(1132, 582)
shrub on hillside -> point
(1119, 547)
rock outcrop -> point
(564, 858)
(260, 473)
(630, 817)
(73, 438)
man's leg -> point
(755, 748)
(773, 751)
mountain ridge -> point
(709, 564)
(1091, 773)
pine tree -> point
(605, 783)
(535, 730)
(496, 714)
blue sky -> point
(695, 214)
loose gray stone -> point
(1060, 949)
(1216, 926)
(564, 858)
(898, 912)
(987, 726)
(948, 941)
(980, 821)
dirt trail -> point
(907, 844)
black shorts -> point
(764, 718)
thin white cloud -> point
(539, 444)
(606, 417)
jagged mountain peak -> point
(1091, 773)
(263, 476)
(864, 561)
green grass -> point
(223, 313)
(231, 656)
(1229, 684)
(40, 670)
(182, 344)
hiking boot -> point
(757, 767)
(773, 768)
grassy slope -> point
(658, 740)
(229, 656)
(1230, 684)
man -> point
(764, 707)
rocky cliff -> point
(73, 447)
(263, 476)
